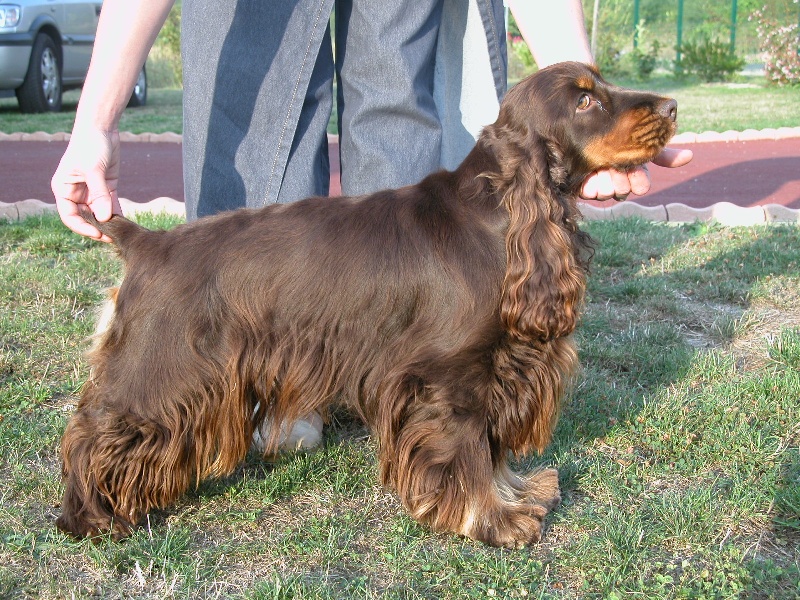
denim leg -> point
(492, 14)
(247, 69)
(390, 133)
(308, 171)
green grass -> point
(163, 112)
(678, 448)
(748, 104)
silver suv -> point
(45, 47)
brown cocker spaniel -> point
(440, 313)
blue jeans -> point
(258, 80)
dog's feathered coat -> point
(441, 313)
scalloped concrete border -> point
(30, 208)
(124, 136)
(781, 133)
(723, 212)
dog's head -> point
(587, 123)
(554, 129)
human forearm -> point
(554, 31)
(125, 33)
(88, 174)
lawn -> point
(678, 448)
(163, 112)
(746, 104)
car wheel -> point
(139, 96)
(41, 90)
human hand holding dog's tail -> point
(87, 178)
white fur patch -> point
(469, 521)
(105, 314)
(303, 434)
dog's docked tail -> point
(123, 232)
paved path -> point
(745, 173)
(751, 173)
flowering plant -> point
(781, 47)
(521, 50)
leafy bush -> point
(608, 58)
(522, 51)
(779, 43)
(641, 64)
(165, 68)
(635, 63)
(711, 60)
(520, 57)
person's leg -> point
(390, 133)
(247, 73)
(308, 171)
(492, 14)
(470, 77)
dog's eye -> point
(584, 102)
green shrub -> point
(711, 60)
(639, 64)
(634, 64)
(165, 68)
(520, 58)
(608, 61)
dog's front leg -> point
(442, 464)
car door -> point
(77, 34)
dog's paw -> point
(513, 518)
(95, 529)
(516, 527)
(542, 488)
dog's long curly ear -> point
(545, 276)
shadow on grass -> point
(650, 299)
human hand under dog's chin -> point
(611, 183)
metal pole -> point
(733, 27)
(680, 35)
(636, 23)
(595, 14)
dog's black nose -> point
(669, 109)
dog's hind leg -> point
(85, 511)
(117, 467)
